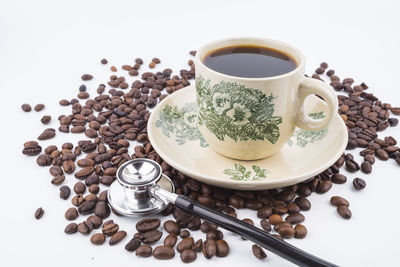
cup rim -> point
(298, 55)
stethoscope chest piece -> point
(131, 194)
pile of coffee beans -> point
(114, 121)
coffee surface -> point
(249, 61)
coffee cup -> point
(245, 114)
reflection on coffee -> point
(249, 61)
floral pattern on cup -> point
(235, 111)
(181, 122)
(302, 138)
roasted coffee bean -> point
(352, 166)
(94, 189)
(344, 212)
(47, 134)
(102, 209)
(222, 248)
(264, 212)
(215, 235)
(71, 228)
(77, 200)
(194, 224)
(266, 225)
(382, 154)
(132, 245)
(198, 245)
(209, 248)
(359, 183)
(338, 178)
(71, 214)
(56, 170)
(43, 160)
(85, 227)
(69, 166)
(172, 227)
(295, 218)
(366, 167)
(26, 107)
(275, 219)
(103, 196)
(146, 225)
(184, 234)
(85, 172)
(144, 251)
(323, 187)
(170, 240)
(339, 201)
(393, 122)
(86, 207)
(286, 232)
(303, 203)
(207, 227)
(65, 191)
(45, 119)
(79, 188)
(286, 195)
(110, 229)
(236, 202)
(104, 61)
(39, 213)
(188, 255)
(186, 243)
(163, 253)
(300, 231)
(151, 236)
(95, 220)
(258, 252)
(31, 148)
(86, 77)
(117, 237)
(98, 239)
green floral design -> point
(240, 173)
(235, 111)
(304, 137)
(180, 122)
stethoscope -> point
(142, 190)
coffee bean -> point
(352, 166)
(79, 188)
(132, 245)
(366, 167)
(275, 219)
(300, 231)
(188, 255)
(198, 245)
(110, 229)
(293, 208)
(393, 122)
(146, 225)
(163, 253)
(117, 237)
(209, 248)
(359, 183)
(46, 119)
(43, 160)
(303, 203)
(184, 234)
(339, 201)
(286, 232)
(266, 225)
(86, 77)
(295, 218)
(85, 227)
(382, 154)
(222, 248)
(84, 172)
(39, 213)
(186, 243)
(323, 187)
(151, 236)
(144, 251)
(26, 107)
(86, 207)
(264, 212)
(94, 188)
(71, 228)
(98, 239)
(95, 220)
(170, 240)
(207, 227)
(104, 61)
(65, 191)
(172, 227)
(338, 178)
(344, 212)
(47, 134)
(102, 209)
(194, 224)
(71, 214)
(31, 148)
(236, 202)
(258, 252)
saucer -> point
(173, 133)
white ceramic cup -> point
(252, 118)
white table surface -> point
(45, 46)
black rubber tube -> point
(258, 236)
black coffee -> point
(249, 61)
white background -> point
(45, 46)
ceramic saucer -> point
(173, 133)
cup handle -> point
(313, 86)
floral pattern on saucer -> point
(242, 174)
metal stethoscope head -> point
(141, 189)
